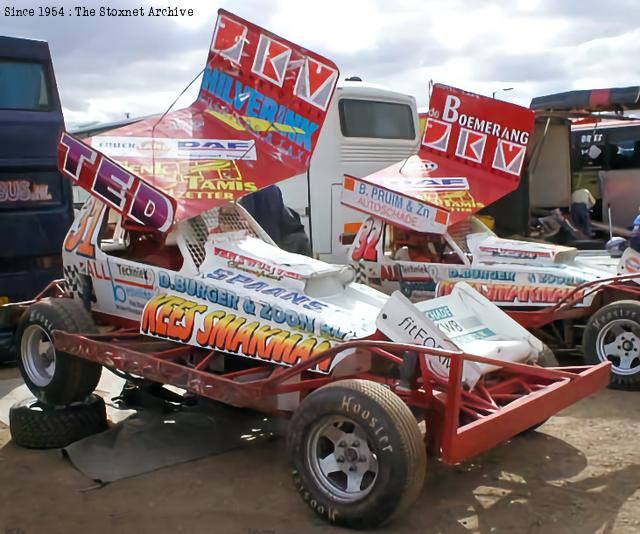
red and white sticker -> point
(315, 83)
(271, 60)
(509, 157)
(436, 134)
(229, 38)
(471, 145)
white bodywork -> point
(219, 282)
(463, 320)
(630, 263)
(510, 273)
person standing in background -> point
(282, 224)
(581, 203)
(634, 240)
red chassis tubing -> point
(565, 307)
(461, 422)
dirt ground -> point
(579, 473)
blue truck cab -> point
(36, 203)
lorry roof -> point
(589, 100)
(604, 123)
(19, 48)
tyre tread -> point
(80, 376)
(50, 428)
(410, 434)
(624, 382)
(408, 444)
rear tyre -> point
(54, 377)
(35, 425)
(613, 334)
(358, 455)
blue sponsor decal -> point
(252, 103)
(409, 288)
(479, 274)
(265, 288)
(473, 336)
(334, 332)
(198, 289)
(560, 280)
(295, 320)
(197, 145)
(438, 314)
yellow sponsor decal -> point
(174, 318)
(461, 201)
(256, 124)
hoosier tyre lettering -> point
(55, 378)
(613, 334)
(357, 453)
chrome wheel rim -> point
(618, 342)
(341, 459)
(38, 355)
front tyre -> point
(55, 378)
(613, 334)
(358, 455)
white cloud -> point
(107, 67)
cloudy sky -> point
(107, 67)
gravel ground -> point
(579, 473)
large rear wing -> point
(472, 154)
(256, 121)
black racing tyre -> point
(613, 334)
(54, 377)
(358, 455)
(38, 426)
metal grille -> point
(225, 219)
(195, 234)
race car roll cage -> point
(460, 422)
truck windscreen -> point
(23, 86)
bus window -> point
(588, 150)
(23, 86)
(378, 120)
(624, 154)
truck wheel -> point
(54, 377)
(358, 455)
(613, 334)
(37, 426)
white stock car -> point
(167, 279)
(578, 301)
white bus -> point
(367, 128)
